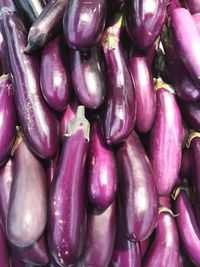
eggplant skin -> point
(4, 253)
(83, 22)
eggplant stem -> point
(161, 84)
(18, 140)
(192, 135)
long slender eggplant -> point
(83, 23)
(4, 254)
(39, 125)
(193, 6)
(67, 209)
(191, 113)
(137, 190)
(120, 108)
(46, 25)
(88, 77)
(166, 141)
(102, 182)
(27, 212)
(144, 21)
(144, 90)
(100, 240)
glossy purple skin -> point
(164, 250)
(67, 223)
(54, 77)
(192, 114)
(166, 142)
(102, 179)
(4, 254)
(83, 22)
(185, 163)
(39, 125)
(144, 91)
(88, 77)
(100, 239)
(187, 41)
(193, 6)
(144, 21)
(27, 213)
(187, 226)
(137, 191)
(196, 18)
(144, 246)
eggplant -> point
(191, 113)
(88, 77)
(186, 163)
(39, 125)
(27, 212)
(144, 90)
(83, 23)
(54, 76)
(193, 6)
(4, 255)
(187, 41)
(137, 191)
(164, 251)
(67, 223)
(119, 113)
(166, 141)
(100, 240)
(144, 21)
(46, 25)
(102, 181)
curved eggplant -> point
(83, 23)
(27, 213)
(193, 6)
(67, 223)
(137, 191)
(192, 114)
(102, 181)
(144, 21)
(166, 141)
(120, 108)
(88, 77)
(4, 255)
(39, 125)
(100, 239)
(54, 77)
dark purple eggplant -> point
(83, 23)
(164, 250)
(120, 108)
(144, 21)
(137, 191)
(67, 223)
(4, 254)
(186, 163)
(39, 125)
(102, 181)
(46, 25)
(144, 91)
(166, 141)
(27, 213)
(191, 113)
(88, 77)
(100, 240)
(193, 6)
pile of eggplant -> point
(99, 133)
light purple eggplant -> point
(137, 191)
(67, 223)
(100, 239)
(83, 23)
(39, 125)
(166, 141)
(164, 251)
(27, 212)
(193, 6)
(4, 254)
(144, 91)
(119, 113)
(54, 76)
(102, 177)
(88, 76)
(191, 113)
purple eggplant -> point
(88, 77)
(67, 223)
(100, 240)
(137, 191)
(27, 212)
(186, 163)
(166, 141)
(102, 182)
(46, 25)
(120, 108)
(191, 113)
(193, 6)
(144, 21)
(83, 23)
(54, 76)
(164, 251)
(39, 125)
(145, 92)
(4, 254)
